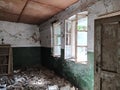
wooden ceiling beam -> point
(22, 10)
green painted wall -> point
(80, 75)
(26, 56)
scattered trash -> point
(3, 87)
(55, 87)
(65, 88)
(34, 79)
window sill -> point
(74, 60)
(82, 62)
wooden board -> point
(6, 63)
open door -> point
(107, 53)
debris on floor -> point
(34, 79)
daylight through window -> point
(76, 38)
(56, 40)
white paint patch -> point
(19, 35)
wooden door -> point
(107, 54)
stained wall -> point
(80, 75)
(24, 40)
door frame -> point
(98, 47)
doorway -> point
(107, 53)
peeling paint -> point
(35, 37)
(77, 74)
(19, 35)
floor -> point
(34, 79)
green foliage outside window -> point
(81, 28)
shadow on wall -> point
(26, 56)
(79, 75)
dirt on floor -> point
(34, 79)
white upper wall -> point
(45, 28)
(95, 8)
(19, 35)
(100, 8)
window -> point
(76, 38)
(56, 39)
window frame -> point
(68, 45)
(53, 37)
(75, 59)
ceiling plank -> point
(47, 4)
(36, 12)
(57, 3)
(2, 11)
(12, 6)
(22, 10)
(8, 16)
(31, 11)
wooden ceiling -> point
(31, 11)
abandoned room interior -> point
(59, 45)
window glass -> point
(68, 39)
(56, 39)
(82, 38)
(69, 27)
(81, 54)
(68, 53)
(57, 29)
(57, 50)
(82, 24)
